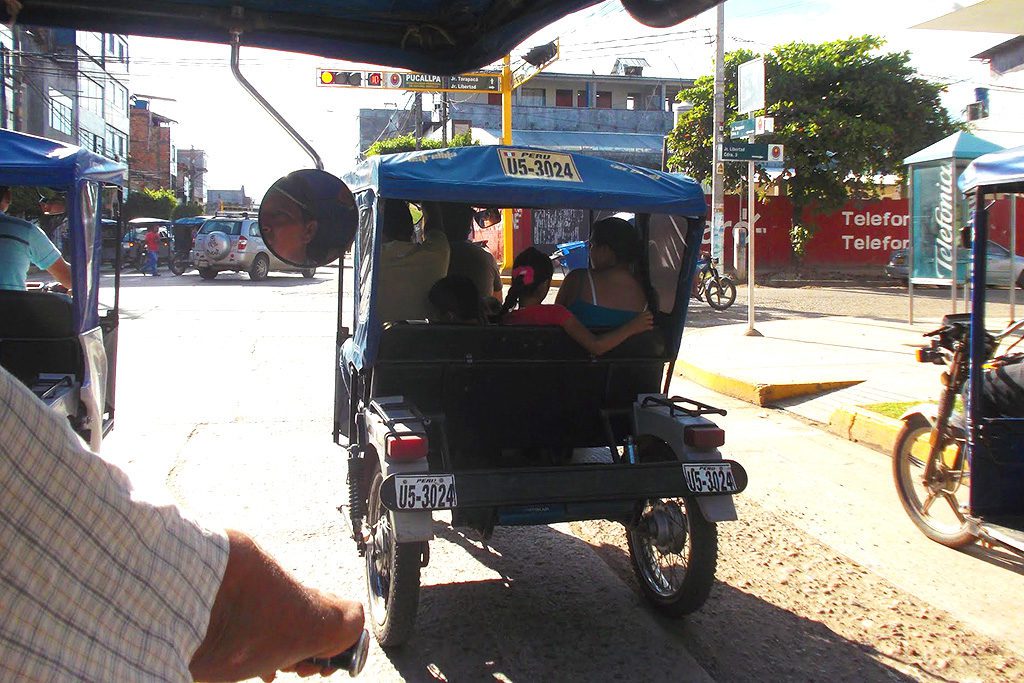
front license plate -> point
(716, 478)
(518, 163)
(425, 492)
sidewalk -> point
(825, 369)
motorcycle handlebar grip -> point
(351, 660)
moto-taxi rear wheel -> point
(674, 551)
(392, 573)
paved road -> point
(225, 393)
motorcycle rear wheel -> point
(178, 265)
(392, 574)
(937, 508)
(675, 567)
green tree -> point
(846, 112)
(407, 143)
(150, 204)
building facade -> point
(67, 85)
(153, 163)
(218, 200)
(623, 115)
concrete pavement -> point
(823, 368)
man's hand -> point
(264, 621)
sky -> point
(246, 148)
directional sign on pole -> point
(744, 128)
(404, 80)
(743, 151)
(741, 128)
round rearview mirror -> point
(308, 218)
(486, 218)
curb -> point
(863, 426)
(758, 394)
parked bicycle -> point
(708, 285)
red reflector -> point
(703, 437)
(405, 447)
(241, 243)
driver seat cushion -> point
(37, 335)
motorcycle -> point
(958, 469)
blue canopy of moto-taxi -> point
(481, 176)
(30, 160)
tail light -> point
(405, 446)
(703, 437)
(242, 241)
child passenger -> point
(457, 301)
(531, 280)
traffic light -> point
(375, 79)
(350, 78)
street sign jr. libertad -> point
(742, 151)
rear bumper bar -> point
(574, 484)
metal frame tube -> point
(306, 147)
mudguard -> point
(927, 411)
(392, 415)
(666, 424)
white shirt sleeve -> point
(95, 583)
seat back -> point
(37, 335)
(514, 387)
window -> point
(117, 97)
(604, 99)
(111, 43)
(117, 144)
(563, 98)
(60, 112)
(581, 99)
(532, 97)
(122, 51)
(494, 98)
(90, 95)
(88, 140)
(226, 227)
(631, 101)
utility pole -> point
(417, 112)
(717, 167)
(444, 119)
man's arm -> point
(264, 621)
(61, 270)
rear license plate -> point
(715, 478)
(425, 492)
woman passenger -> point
(531, 280)
(608, 294)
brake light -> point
(703, 437)
(405, 446)
(242, 241)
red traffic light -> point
(375, 78)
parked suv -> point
(235, 243)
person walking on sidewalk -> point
(152, 250)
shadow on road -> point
(547, 619)
(735, 634)
(227, 279)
